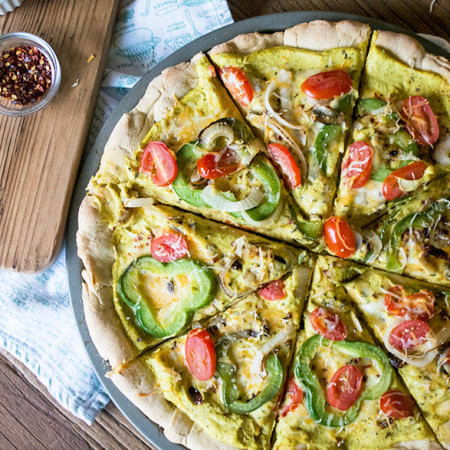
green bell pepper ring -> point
(186, 155)
(272, 187)
(417, 221)
(201, 292)
(315, 399)
(323, 141)
(368, 105)
(227, 373)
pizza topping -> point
(391, 186)
(196, 395)
(217, 134)
(238, 85)
(371, 106)
(315, 398)
(159, 162)
(273, 290)
(133, 290)
(328, 324)
(169, 247)
(326, 85)
(326, 137)
(444, 360)
(419, 305)
(200, 354)
(409, 335)
(420, 120)
(442, 151)
(345, 387)
(285, 162)
(218, 164)
(397, 404)
(357, 166)
(219, 201)
(227, 372)
(295, 396)
(339, 237)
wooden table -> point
(29, 417)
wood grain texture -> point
(40, 153)
(111, 430)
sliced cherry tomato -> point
(218, 164)
(339, 237)
(169, 247)
(200, 354)
(409, 335)
(327, 85)
(397, 404)
(345, 387)
(238, 85)
(273, 290)
(414, 171)
(357, 166)
(415, 306)
(159, 162)
(328, 324)
(286, 164)
(295, 394)
(420, 120)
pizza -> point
(246, 238)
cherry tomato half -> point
(327, 85)
(159, 162)
(397, 404)
(169, 247)
(295, 394)
(409, 334)
(238, 85)
(273, 290)
(415, 306)
(414, 171)
(328, 324)
(420, 120)
(286, 164)
(200, 354)
(358, 164)
(339, 237)
(218, 164)
(345, 387)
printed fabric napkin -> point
(36, 321)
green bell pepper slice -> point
(201, 292)
(315, 399)
(405, 141)
(311, 229)
(368, 105)
(417, 221)
(185, 156)
(227, 373)
(344, 104)
(382, 172)
(326, 136)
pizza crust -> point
(409, 51)
(139, 385)
(417, 445)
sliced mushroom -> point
(326, 115)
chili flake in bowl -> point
(30, 74)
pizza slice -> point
(297, 89)
(218, 386)
(412, 320)
(401, 132)
(157, 269)
(186, 144)
(342, 391)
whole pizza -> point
(266, 244)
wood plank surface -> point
(29, 417)
(40, 153)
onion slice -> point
(442, 151)
(217, 200)
(429, 349)
(138, 202)
(375, 244)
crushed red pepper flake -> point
(25, 74)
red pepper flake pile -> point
(25, 74)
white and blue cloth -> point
(36, 321)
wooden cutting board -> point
(40, 153)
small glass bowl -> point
(11, 40)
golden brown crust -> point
(408, 50)
(245, 44)
(138, 383)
